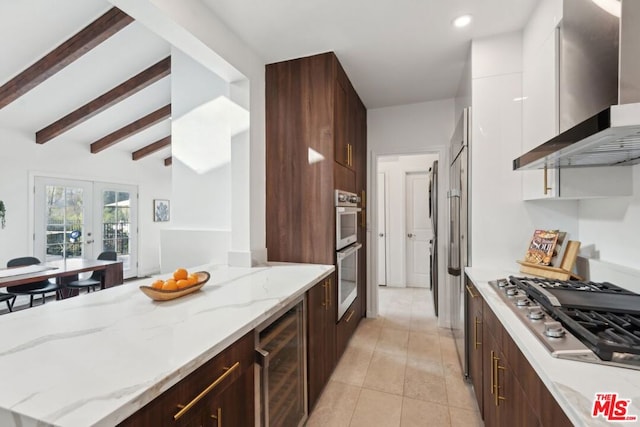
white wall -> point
(396, 169)
(20, 156)
(406, 129)
(193, 28)
(501, 223)
(609, 228)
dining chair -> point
(10, 299)
(42, 287)
(97, 277)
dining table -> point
(63, 271)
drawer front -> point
(347, 326)
(178, 405)
(492, 324)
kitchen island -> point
(96, 359)
(572, 384)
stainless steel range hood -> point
(610, 137)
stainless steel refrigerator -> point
(458, 251)
(433, 243)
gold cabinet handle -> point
(498, 369)
(204, 392)
(471, 294)
(476, 343)
(546, 181)
(324, 301)
(218, 417)
(350, 316)
(327, 293)
(493, 377)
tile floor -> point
(399, 369)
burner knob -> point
(502, 283)
(522, 301)
(512, 292)
(535, 313)
(553, 329)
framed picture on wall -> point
(160, 210)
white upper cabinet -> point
(540, 117)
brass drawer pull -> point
(493, 377)
(204, 392)
(350, 316)
(218, 417)
(497, 395)
(476, 343)
(471, 294)
(324, 302)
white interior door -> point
(382, 229)
(419, 229)
(81, 219)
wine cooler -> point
(280, 348)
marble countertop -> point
(95, 359)
(573, 384)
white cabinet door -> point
(540, 113)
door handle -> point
(381, 235)
(89, 241)
(409, 235)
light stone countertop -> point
(95, 359)
(573, 384)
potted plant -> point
(2, 214)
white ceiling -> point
(32, 28)
(394, 51)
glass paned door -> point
(65, 222)
(81, 219)
(116, 212)
(63, 219)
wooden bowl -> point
(162, 295)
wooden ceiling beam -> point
(108, 99)
(168, 161)
(132, 129)
(82, 42)
(151, 148)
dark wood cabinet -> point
(347, 326)
(508, 390)
(475, 340)
(316, 142)
(220, 392)
(321, 337)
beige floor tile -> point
(366, 336)
(375, 408)
(423, 346)
(421, 384)
(459, 393)
(418, 413)
(336, 406)
(427, 366)
(465, 418)
(397, 318)
(353, 365)
(386, 372)
(393, 341)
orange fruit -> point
(157, 284)
(170, 285)
(193, 279)
(183, 283)
(180, 274)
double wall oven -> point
(347, 248)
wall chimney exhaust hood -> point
(610, 137)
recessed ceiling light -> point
(462, 21)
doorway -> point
(81, 219)
(403, 226)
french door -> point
(81, 219)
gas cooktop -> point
(585, 321)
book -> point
(561, 247)
(541, 247)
